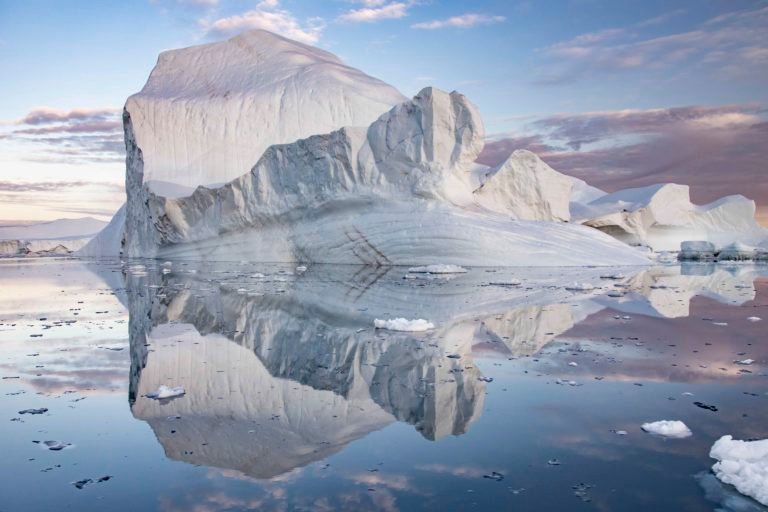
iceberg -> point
(55, 238)
(264, 149)
(395, 193)
(662, 216)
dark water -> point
(295, 402)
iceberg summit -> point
(264, 149)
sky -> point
(620, 93)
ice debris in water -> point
(166, 392)
(745, 362)
(403, 324)
(41, 410)
(54, 445)
(743, 464)
(438, 269)
(668, 428)
(579, 287)
(754, 318)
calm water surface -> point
(295, 402)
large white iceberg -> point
(398, 192)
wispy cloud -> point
(268, 15)
(71, 136)
(53, 186)
(375, 10)
(462, 21)
(732, 44)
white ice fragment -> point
(166, 392)
(668, 428)
(746, 362)
(403, 324)
(438, 269)
(743, 464)
(753, 318)
(573, 363)
(301, 268)
(580, 287)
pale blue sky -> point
(519, 61)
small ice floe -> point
(511, 282)
(754, 318)
(164, 392)
(619, 432)
(613, 276)
(721, 324)
(87, 481)
(573, 363)
(564, 382)
(403, 324)
(494, 475)
(438, 269)
(745, 362)
(742, 464)
(579, 287)
(301, 268)
(674, 429)
(41, 410)
(55, 446)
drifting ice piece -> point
(696, 250)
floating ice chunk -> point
(166, 392)
(301, 268)
(55, 446)
(438, 269)
(697, 250)
(580, 287)
(403, 324)
(754, 318)
(746, 362)
(668, 428)
(573, 363)
(743, 464)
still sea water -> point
(526, 394)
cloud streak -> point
(69, 136)
(463, 21)
(732, 45)
(375, 11)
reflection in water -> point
(284, 369)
